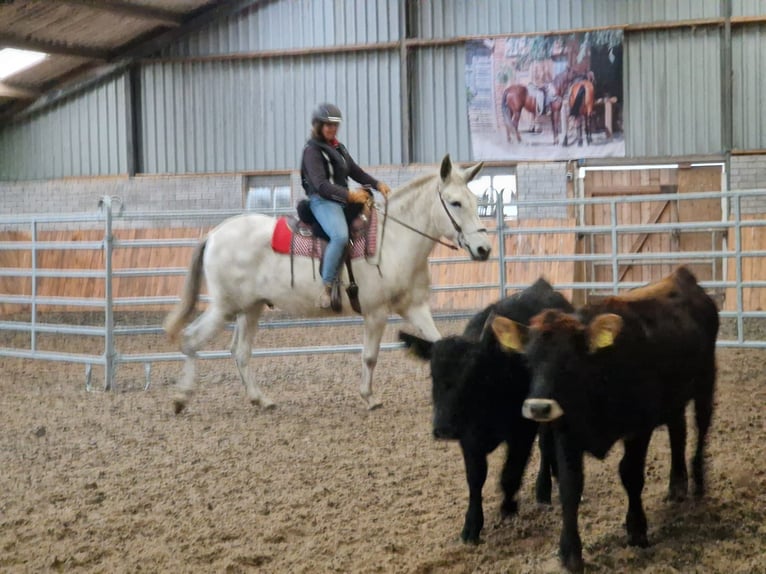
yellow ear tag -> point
(604, 338)
(507, 334)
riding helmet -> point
(327, 114)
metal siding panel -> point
(443, 19)
(440, 80)
(674, 107)
(749, 119)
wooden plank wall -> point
(178, 257)
(753, 268)
(124, 258)
(487, 272)
(629, 182)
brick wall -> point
(749, 172)
(542, 181)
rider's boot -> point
(323, 302)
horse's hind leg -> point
(374, 325)
(194, 336)
(241, 347)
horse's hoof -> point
(372, 402)
(178, 406)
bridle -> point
(455, 224)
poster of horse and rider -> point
(546, 97)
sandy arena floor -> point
(114, 482)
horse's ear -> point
(446, 168)
(471, 172)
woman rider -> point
(326, 166)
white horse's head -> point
(456, 212)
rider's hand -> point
(358, 196)
(384, 189)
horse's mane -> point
(412, 184)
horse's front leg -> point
(555, 125)
(420, 316)
(374, 325)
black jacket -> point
(330, 181)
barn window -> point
(268, 194)
(487, 188)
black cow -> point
(478, 392)
(615, 371)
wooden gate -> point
(685, 179)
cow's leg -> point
(476, 474)
(241, 348)
(703, 413)
(543, 484)
(569, 460)
(194, 336)
(632, 475)
(374, 325)
(519, 449)
(679, 479)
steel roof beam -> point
(164, 17)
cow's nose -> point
(541, 411)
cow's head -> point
(558, 347)
(467, 375)
(448, 358)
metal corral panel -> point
(439, 105)
(448, 18)
(749, 87)
(255, 114)
(672, 82)
(81, 136)
(296, 24)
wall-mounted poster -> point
(551, 97)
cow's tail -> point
(579, 98)
(182, 312)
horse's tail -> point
(181, 313)
(579, 98)
(504, 105)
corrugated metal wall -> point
(294, 24)
(248, 115)
(439, 111)
(749, 87)
(251, 114)
(673, 107)
(81, 136)
(449, 18)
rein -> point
(408, 226)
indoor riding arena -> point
(600, 146)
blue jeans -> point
(330, 216)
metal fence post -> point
(500, 215)
(615, 248)
(109, 353)
(33, 317)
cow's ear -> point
(603, 330)
(417, 346)
(511, 335)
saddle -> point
(302, 235)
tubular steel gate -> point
(739, 258)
